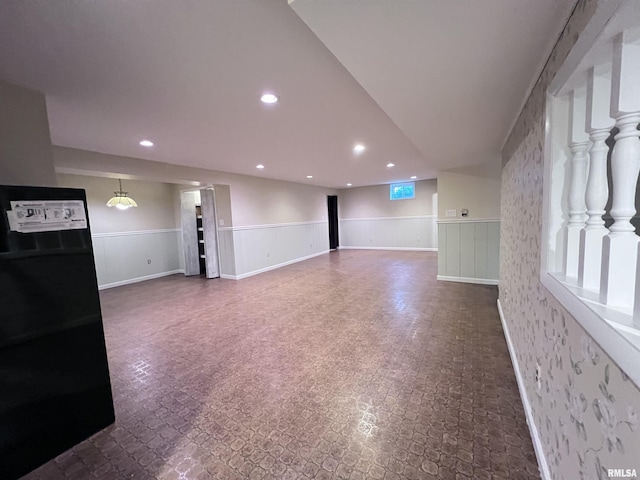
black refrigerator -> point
(54, 377)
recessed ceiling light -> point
(269, 98)
(358, 148)
(146, 143)
(348, 184)
(260, 166)
(413, 177)
(391, 165)
(309, 176)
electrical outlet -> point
(450, 213)
(538, 377)
(222, 222)
(268, 254)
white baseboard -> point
(138, 279)
(533, 429)
(228, 277)
(408, 249)
(272, 267)
(480, 281)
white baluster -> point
(579, 144)
(599, 124)
(620, 246)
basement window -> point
(592, 163)
(402, 191)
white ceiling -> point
(453, 75)
(426, 84)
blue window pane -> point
(402, 191)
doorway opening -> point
(332, 205)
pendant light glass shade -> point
(121, 201)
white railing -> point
(590, 256)
(606, 100)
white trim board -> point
(470, 220)
(415, 217)
(271, 225)
(407, 249)
(134, 232)
(533, 429)
(479, 281)
(272, 267)
(139, 279)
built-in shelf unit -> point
(199, 233)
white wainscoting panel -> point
(123, 258)
(260, 248)
(402, 233)
(226, 251)
(469, 251)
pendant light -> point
(121, 201)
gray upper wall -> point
(25, 142)
(254, 200)
(155, 204)
(374, 202)
(475, 188)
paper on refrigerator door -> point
(30, 216)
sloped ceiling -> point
(423, 84)
(452, 75)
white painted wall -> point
(369, 219)
(261, 248)
(268, 223)
(469, 252)
(25, 143)
(130, 257)
(131, 245)
(226, 249)
(389, 233)
(469, 247)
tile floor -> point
(355, 364)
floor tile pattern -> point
(351, 365)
